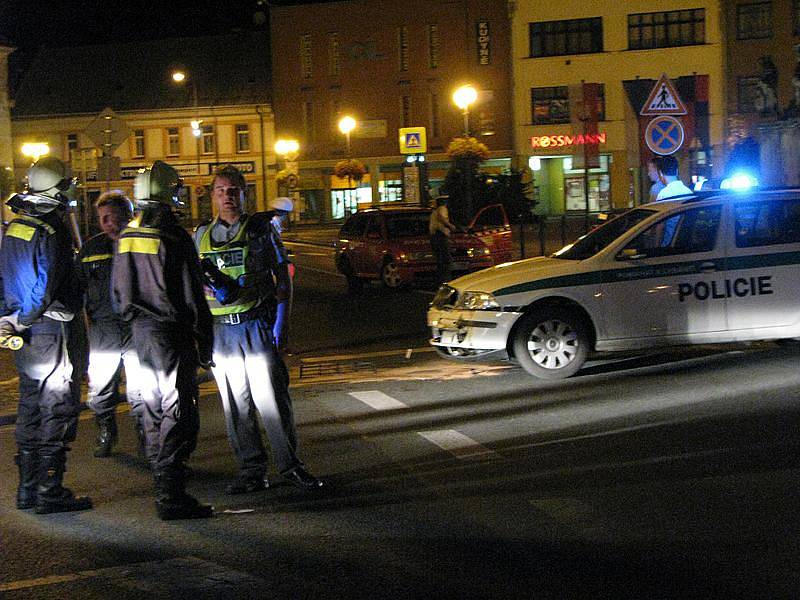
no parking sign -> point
(664, 135)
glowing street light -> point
(287, 149)
(178, 76)
(463, 98)
(346, 125)
(35, 150)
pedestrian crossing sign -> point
(663, 100)
(413, 140)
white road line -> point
(378, 400)
(457, 444)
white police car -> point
(717, 267)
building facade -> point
(389, 65)
(589, 68)
(763, 83)
(65, 95)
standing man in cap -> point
(249, 290)
(38, 303)
(157, 288)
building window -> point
(333, 54)
(754, 21)
(435, 118)
(796, 16)
(72, 145)
(138, 143)
(305, 56)
(550, 105)
(433, 46)
(405, 109)
(173, 141)
(402, 46)
(666, 29)
(242, 137)
(747, 94)
(308, 121)
(209, 141)
(573, 36)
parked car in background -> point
(391, 244)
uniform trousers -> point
(110, 348)
(49, 386)
(168, 366)
(253, 380)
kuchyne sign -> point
(560, 141)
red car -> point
(392, 244)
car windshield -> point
(597, 239)
(407, 225)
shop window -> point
(137, 143)
(391, 190)
(242, 137)
(666, 29)
(550, 105)
(173, 141)
(747, 94)
(572, 36)
(209, 139)
(754, 21)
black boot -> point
(172, 501)
(51, 496)
(28, 463)
(106, 435)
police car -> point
(716, 267)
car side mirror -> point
(630, 254)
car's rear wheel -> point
(551, 343)
(390, 275)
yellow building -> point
(624, 48)
(63, 95)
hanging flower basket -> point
(350, 169)
(283, 176)
(467, 148)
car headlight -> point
(477, 301)
(478, 252)
(416, 256)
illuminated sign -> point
(559, 141)
(484, 43)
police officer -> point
(36, 262)
(250, 293)
(157, 288)
(110, 343)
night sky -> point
(29, 24)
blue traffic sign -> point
(664, 135)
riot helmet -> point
(160, 184)
(50, 185)
(282, 207)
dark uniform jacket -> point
(156, 275)
(93, 271)
(36, 267)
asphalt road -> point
(671, 475)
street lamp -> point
(34, 150)
(287, 149)
(463, 98)
(346, 125)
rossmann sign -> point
(560, 141)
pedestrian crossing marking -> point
(457, 444)
(378, 400)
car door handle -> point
(708, 267)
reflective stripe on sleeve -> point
(96, 257)
(21, 231)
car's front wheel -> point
(390, 275)
(551, 343)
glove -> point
(226, 289)
(280, 329)
(205, 355)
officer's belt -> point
(259, 312)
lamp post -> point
(463, 97)
(346, 125)
(180, 77)
(288, 150)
